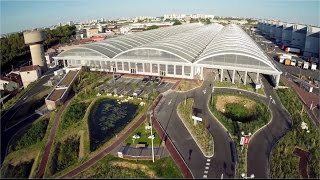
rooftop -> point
(29, 68)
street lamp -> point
(270, 98)
(114, 81)
(243, 175)
(151, 136)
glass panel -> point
(146, 67)
(154, 68)
(140, 67)
(187, 70)
(178, 70)
(170, 69)
(119, 65)
(126, 66)
(162, 67)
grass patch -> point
(144, 134)
(283, 163)
(199, 131)
(113, 167)
(74, 114)
(186, 85)
(247, 87)
(65, 154)
(31, 136)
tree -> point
(176, 22)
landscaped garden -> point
(141, 136)
(239, 114)
(248, 87)
(114, 167)
(202, 136)
(284, 164)
(65, 154)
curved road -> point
(223, 161)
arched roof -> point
(232, 41)
(185, 46)
(113, 46)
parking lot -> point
(135, 86)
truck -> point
(283, 57)
(305, 65)
(287, 62)
(299, 63)
(293, 62)
(295, 50)
(313, 66)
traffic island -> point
(197, 130)
(241, 116)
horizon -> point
(17, 16)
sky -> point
(27, 14)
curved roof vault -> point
(186, 46)
(233, 47)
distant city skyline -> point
(21, 15)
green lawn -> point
(114, 167)
(283, 163)
(144, 134)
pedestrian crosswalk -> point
(205, 175)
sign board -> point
(246, 139)
(195, 119)
(241, 140)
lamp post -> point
(243, 175)
(114, 81)
(270, 98)
(151, 136)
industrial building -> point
(303, 37)
(185, 51)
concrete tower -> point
(35, 39)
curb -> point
(240, 90)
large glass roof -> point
(186, 45)
(110, 47)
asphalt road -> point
(263, 141)
(6, 135)
(223, 161)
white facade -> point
(28, 77)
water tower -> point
(35, 39)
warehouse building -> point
(303, 37)
(185, 51)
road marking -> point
(25, 98)
(205, 176)
(204, 91)
(206, 167)
(170, 102)
(208, 160)
(207, 164)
